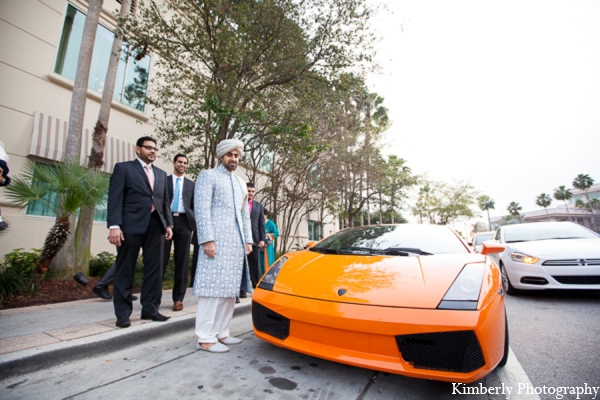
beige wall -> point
(30, 31)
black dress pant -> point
(253, 265)
(182, 237)
(152, 243)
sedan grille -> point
(578, 280)
(457, 351)
(572, 262)
(269, 322)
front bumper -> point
(540, 277)
(448, 345)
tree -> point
(584, 182)
(66, 259)
(83, 232)
(442, 203)
(74, 185)
(486, 203)
(220, 62)
(400, 178)
(564, 194)
(514, 209)
(544, 200)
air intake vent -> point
(578, 280)
(446, 351)
(269, 322)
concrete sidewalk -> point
(41, 336)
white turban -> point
(225, 146)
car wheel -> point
(508, 287)
(504, 359)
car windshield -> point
(546, 231)
(482, 237)
(403, 239)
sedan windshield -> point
(546, 231)
(402, 240)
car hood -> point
(561, 249)
(396, 281)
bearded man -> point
(224, 238)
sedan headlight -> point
(464, 292)
(523, 258)
(268, 280)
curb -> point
(30, 360)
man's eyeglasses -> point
(150, 148)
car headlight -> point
(523, 258)
(464, 292)
(268, 280)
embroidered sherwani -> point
(221, 210)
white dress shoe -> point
(230, 340)
(216, 348)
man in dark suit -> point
(181, 190)
(139, 217)
(259, 235)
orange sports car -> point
(407, 299)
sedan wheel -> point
(508, 287)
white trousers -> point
(213, 316)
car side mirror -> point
(310, 244)
(491, 247)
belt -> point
(177, 214)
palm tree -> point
(74, 185)
(83, 232)
(584, 182)
(544, 200)
(66, 258)
(514, 209)
(485, 204)
(564, 194)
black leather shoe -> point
(133, 298)
(102, 292)
(243, 294)
(123, 322)
(158, 317)
(237, 300)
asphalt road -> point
(554, 339)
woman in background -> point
(272, 234)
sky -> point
(503, 95)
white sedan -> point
(548, 255)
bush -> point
(16, 272)
(101, 263)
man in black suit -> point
(259, 234)
(181, 190)
(139, 217)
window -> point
(314, 230)
(47, 208)
(132, 75)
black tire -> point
(508, 287)
(504, 359)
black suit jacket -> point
(188, 199)
(130, 198)
(257, 221)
